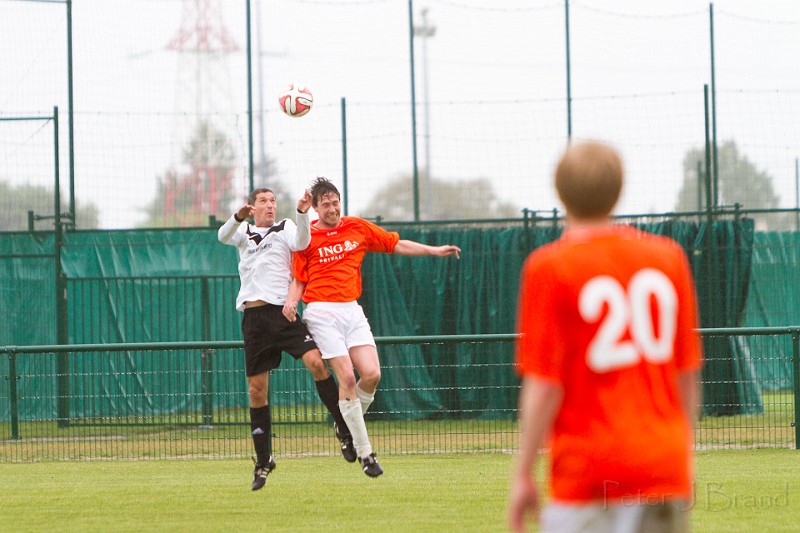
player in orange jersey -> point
(265, 270)
(328, 276)
(609, 358)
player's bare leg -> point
(328, 392)
(365, 360)
(350, 405)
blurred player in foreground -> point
(609, 359)
(265, 269)
(328, 277)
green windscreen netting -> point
(774, 300)
(180, 285)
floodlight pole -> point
(345, 185)
(71, 120)
(249, 102)
(713, 108)
(425, 31)
(262, 154)
(415, 176)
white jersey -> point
(265, 256)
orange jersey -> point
(331, 265)
(610, 315)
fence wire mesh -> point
(161, 131)
(194, 404)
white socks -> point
(354, 416)
(365, 399)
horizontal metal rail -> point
(414, 339)
(226, 345)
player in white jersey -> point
(265, 270)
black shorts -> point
(267, 333)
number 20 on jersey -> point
(630, 309)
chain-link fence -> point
(154, 98)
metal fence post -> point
(205, 357)
(62, 316)
(796, 386)
(12, 394)
(345, 185)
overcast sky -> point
(496, 89)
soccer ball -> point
(296, 100)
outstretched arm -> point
(539, 401)
(404, 247)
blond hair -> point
(589, 179)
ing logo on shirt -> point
(337, 249)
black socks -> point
(261, 427)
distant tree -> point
(465, 199)
(187, 198)
(203, 188)
(739, 182)
(15, 202)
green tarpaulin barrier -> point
(173, 285)
(774, 300)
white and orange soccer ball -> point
(296, 100)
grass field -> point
(737, 491)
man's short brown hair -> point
(589, 179)
(251, 198)
(322, 187)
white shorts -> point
(669, 516)
(337, 327)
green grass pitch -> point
(737, 491)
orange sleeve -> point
(299, 270)
(378, 239)
(541, 348)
